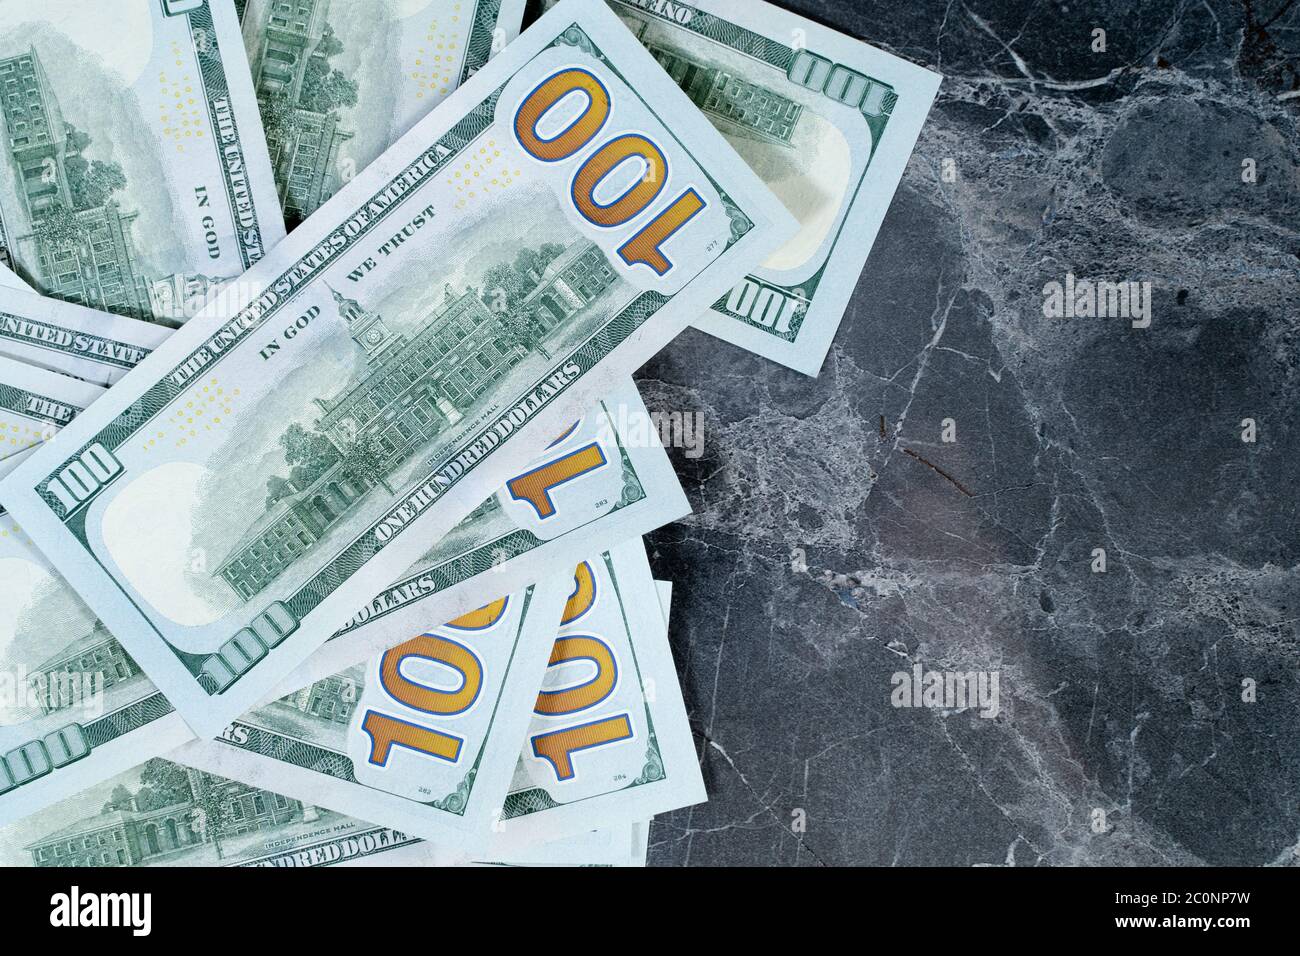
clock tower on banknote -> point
(367, 328)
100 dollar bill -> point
(162, 813)
(134, 175)
(75, 708)
(589, 214)
(423, 737)
(338, 83)
(609, 740)
(827, 122)
(608, 744)
(616, 844)
(602, 481)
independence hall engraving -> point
(302, 129)
(58, 679)
(133, 833)
(413, 388)
(81, 237)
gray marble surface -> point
(1122, 691)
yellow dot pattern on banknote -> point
(435, 62)
(483, 173)
(9, 531)
(17, 434)
(204, 410)
(179, 109)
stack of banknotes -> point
(322, 545)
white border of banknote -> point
(764, 33)
(11, 280)
(620, 844)
(641, 843)
(613, 845)
(125, 408)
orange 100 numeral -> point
(386, 731)
(646, 245)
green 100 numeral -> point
(36, 758)
(841, 84)
(83, 476)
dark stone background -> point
(1120, 691)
